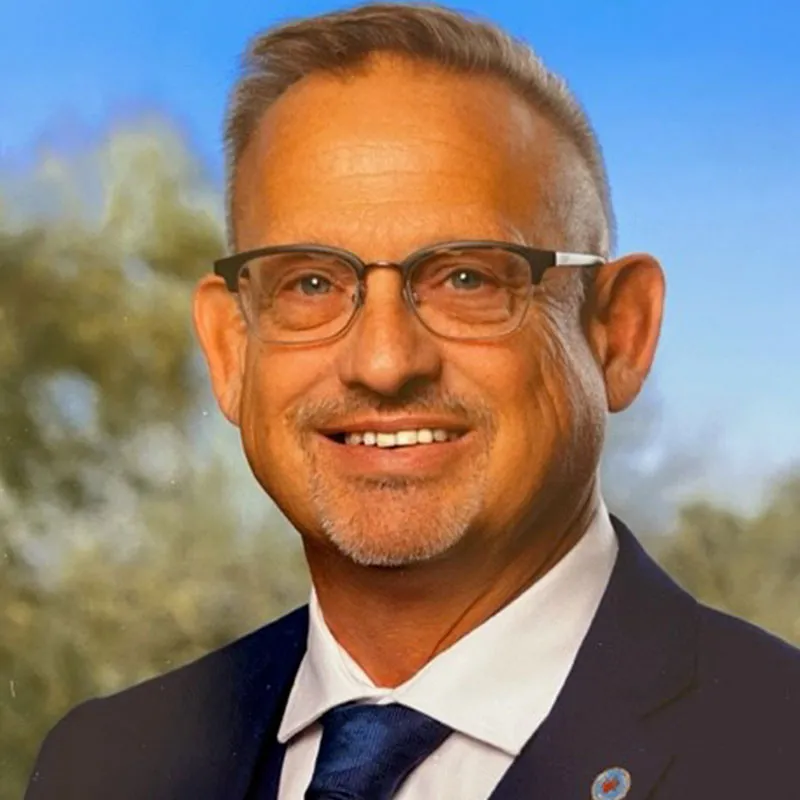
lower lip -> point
(411, 460)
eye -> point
(311, 285)
(467, 279)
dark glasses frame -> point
(539, 261)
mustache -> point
(323, 412)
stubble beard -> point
(397, 521)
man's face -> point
(382, 164)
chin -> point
(394, 535)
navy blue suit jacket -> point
(695, 704)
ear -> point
(222, 333)
(623, 323)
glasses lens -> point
(472, 293)
(297, 296)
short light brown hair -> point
(342, 41)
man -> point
(419, 336)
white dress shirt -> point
(494, 687)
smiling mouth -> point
(403, 438)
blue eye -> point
(314, 284)
(466, 279)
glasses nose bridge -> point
(402, 267)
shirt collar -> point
(512, 667)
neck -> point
(392, 622)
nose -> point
(387, 350)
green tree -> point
(746, 565)
(94, 313)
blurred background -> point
(133, 537)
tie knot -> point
(368, 750)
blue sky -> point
(697, 105)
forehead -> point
(402, 147)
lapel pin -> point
(611, 784)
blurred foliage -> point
(121, 551)
(100, 309)
(187, 586)
(748, 566)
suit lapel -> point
(617, 706)
(245, 697)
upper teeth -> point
(400, 438)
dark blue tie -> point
(367, 750)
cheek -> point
(535, 401)
(530, 388)
(274, 385)
(525, 399)
(575, 390)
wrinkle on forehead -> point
(384, 233)
(368, 161)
